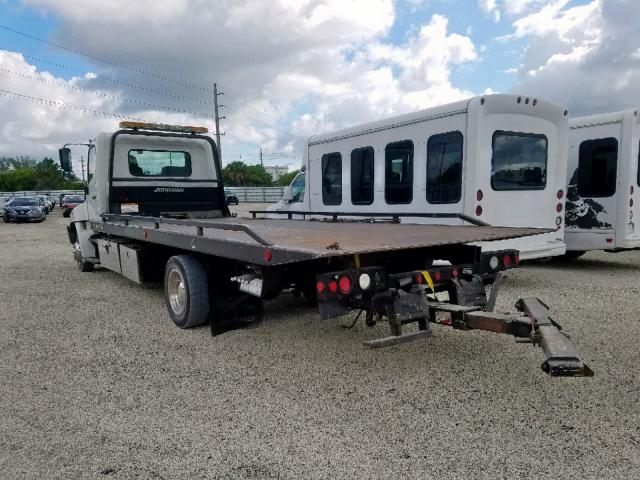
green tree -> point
(239, 174)
(23, 173)
(286, 179)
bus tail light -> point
(506, 261)
(320, 287)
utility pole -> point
(217, 117)
(262, 164)
(82, 166)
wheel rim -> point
(177, 292)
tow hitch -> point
(534, 325)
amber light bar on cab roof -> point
(163, 127)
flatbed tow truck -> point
(156, 209)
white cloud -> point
(311, 65)
(585, 57)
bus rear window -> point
(519, 161)
(362, 176)
(332, 179)
(444, 168)
(159, 163)
(398, 177)
(597, 166)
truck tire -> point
(83, 265)
(186, 291)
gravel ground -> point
(96, 381)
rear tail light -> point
(494, 262)
(320, 287)
(506, 261)
(437, 276)
(559, 207)
(333, 286)
(479, 195)
(631, 202)
(558, 221)
(560, 194)
(478, 211)
(455, 273)
(344, 284)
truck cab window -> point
(362, 176)
(297, 188)
(332, 179)
(597, 166)
(519, 161)
(159, 163)
(444, 168)
(398, 177)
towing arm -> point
(536, 326)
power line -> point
(120, 82)
(104, 60)
(55, 103)
(105, 95)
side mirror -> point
(287, 194)
(65, 160)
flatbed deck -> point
(288, 241)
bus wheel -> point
(186, 291)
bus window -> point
(519, 161)
(297, 188)
(444, 168)
(597, 165)
(332, 179)
(362, 176)
(398, 175)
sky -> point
(292, 68)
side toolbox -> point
(131, 260)
(109, 254)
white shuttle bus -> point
(603, 183)
(497, 159)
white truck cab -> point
(149, 170)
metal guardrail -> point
(256, 194)
(52, 193)
(244, 194)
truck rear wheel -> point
(186, 291)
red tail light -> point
(559, 207)
(560, 194)
(333, 286)
(320, 287)
(267, 255)
(479, 195)
(437, 276)
(631, 202)
(506, 261)
(344, 284)
(455, 273)
(478, 211)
